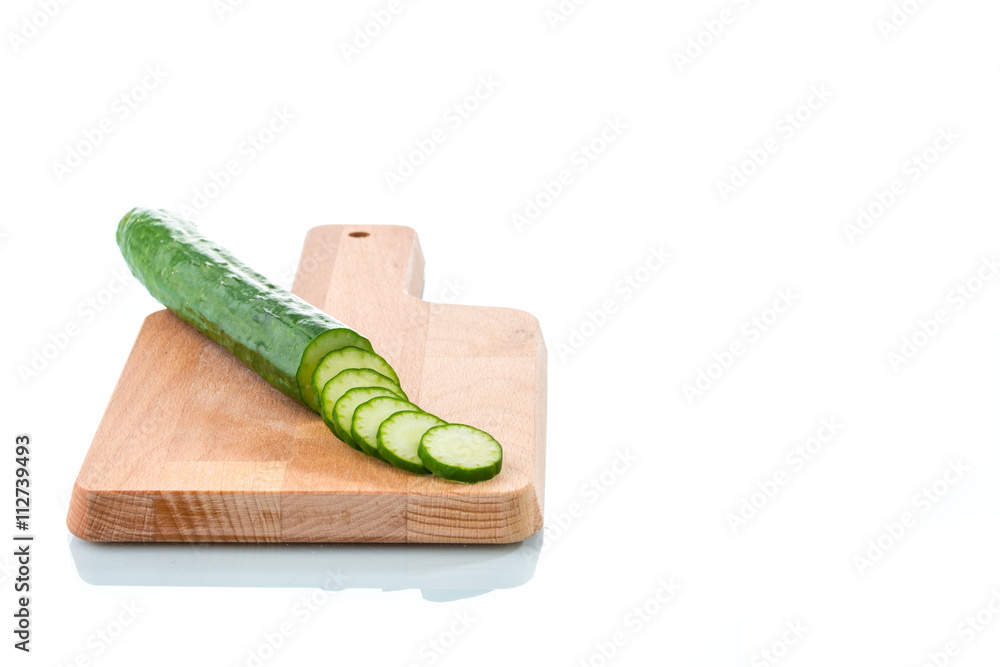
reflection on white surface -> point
(442, 572)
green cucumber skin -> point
(391, 456)
(338, 430)
(456, 473)
(370, 360)
(263, 325)
(369, 379)
(369, 448)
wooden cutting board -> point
(195, 447)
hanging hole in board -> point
(359, 235)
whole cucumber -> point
(274, 332)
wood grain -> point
(194, 446)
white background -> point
(620, 389)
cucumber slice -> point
(460, 453)
(369, 416)
(345, 381)
(348, 357)
(322, 345)
(343, 409)
(399, 437)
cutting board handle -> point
(383, 263)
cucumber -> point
(369, 416)
(399, 437)
(343, 409)
(347, 380)
(349, 357)
(320, 347)
(277, 334)
(460, 453)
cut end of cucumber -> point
(460, 453)
(369, 417)
(399, 438)
(323, 344)
(336, 361)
